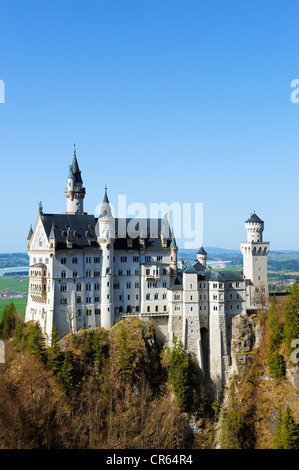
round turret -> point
(202, 256)
(254, 227)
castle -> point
(87, 272)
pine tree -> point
(277, 439)
(286, 435)
(180, 377)
(276, 361)
(54, 355)
(231, 426)
(36, 341)
(290, 430)
(65, 374)
(8, 321)
(292, 317)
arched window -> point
(156, 296)
(148, 309)
(148, 296)
(165, 308)
(157, 308)
(147, 272)
(63, 274)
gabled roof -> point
(74, 171)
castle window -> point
(164, 308)
(79, 312)
(97, 259)
(238, 307)
(120, 273)
(157, 308)
(205, 308)
(148, 309)
(215, 307)
(137, 285)
(116, 285)
(156, 296)
(164, 271)
(214, 297)
(129, 297)
(214, 286)
(63, 260)
(137, 308)
(97, 287)
(191, 298)
(128, 272)
(79, 299)
(164, 284)
(164, 296)
(237, 284)
(148, 296)
(220, 286)
(128, 285)
(120, 309)
(47, 260)
(63, 274)
(147, 272)
(34, 260)
(75, 260)
(63, 301)
(108, 284)
(123, 259)
(136, 272)
(177, 297)
(88, 286)
(97, 311)
(88, 259)
(88, 273)
(159, 258)
(88, 300)
(135, 259)
(148, 258)
(97, 274)
(88, 312)
(231, 307)
(97, 298)
(136, 296)
(63, 288)
(190, 286)
(108, 296)
(120, 297)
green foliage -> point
(277, 365)
(216, 409)
(35, 341)
(9, 321)
(276, 362)
(54, 355)
(292, 317)
(65, 374)
(231, 426)
(98, 348)
(181, 376)
(286, 435)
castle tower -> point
(173, 259)
(202, 257)
(106, 236)
(74, 191)
(255, 253)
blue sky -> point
(167, 101)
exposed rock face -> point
(292, 374)
(246, 336)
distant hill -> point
(12, 260)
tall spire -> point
(106, 195)
(74, 191)
(106, 209)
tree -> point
(261, 296)
(290, 430)
(276, 361)
(231, 426)
(54, 356)
(36, 341)
(65, 374)
(180, 377)
(286, 435)
(291, 330)
(9, 320)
